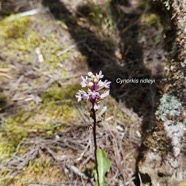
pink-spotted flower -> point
(95, 87)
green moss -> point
(38, 166)
(20, 37)
(45, 122)
(33, 39)
(56, 93)
(3, 65)
(39, 170)
(13, 27)
(55, 108)
(14, 132)
(150, 19)
(183, 184)
(6, 149)
(50, 47)
(11, 135)
(13, 33)
(4, 175)
(56, 112)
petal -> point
(100, 85)
(85, 96)
(84, 81)
(90, 84)
(105, 94)
(94, 95)
(79, 99)
(107, 84)
(78, 96)
(101, 75)
(90, 74)
(83, 84)
(96, 107)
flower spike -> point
(94, 84)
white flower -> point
(100, 75)
(90, 74)
(105, 94)
(84, 81)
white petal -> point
(83, 78)
(101, 83)
(90, 74)
(105, 94)
(83, 84)
(84, 81)
(101, 75)
(96, 107)
(85, 96)
(78, 96)
(107, 84)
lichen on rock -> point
(169, 106)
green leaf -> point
(103, 167)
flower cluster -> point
(94, 85)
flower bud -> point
(90, 74)
(90, 84)
(95, 80)
(101, 84)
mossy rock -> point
(13, 27)
(21, 39)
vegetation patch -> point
(150, 19)
(56, 92)
(11, 134)
(51, 117)
(40, 170)
(22, 40)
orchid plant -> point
(94, 85)
(95, 94)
